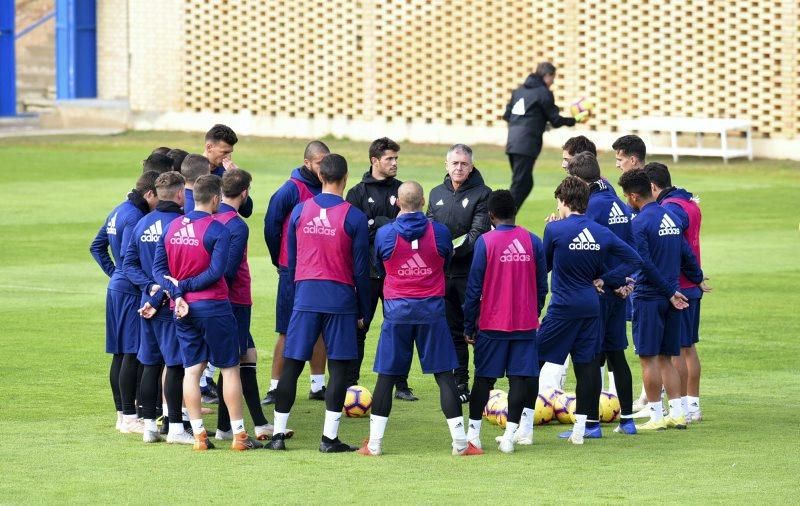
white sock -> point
(377, 427)
(129, 418)
(511, 429)
(550, 376)
(176, 428)
(579, 427)
(203, 382)
(474, 429)
(526, 422)
(237, 426)
(185, 415)
(197, 426)
(280, 419)
(150, 424)
(457, 432)
(317, 382)
(331, 428)
(656, 411)
(273, 384)
(165, 410)
(685, 404)
(612, 386)
(693, 403)
(210, 370)
(675, 408)
(603, 370)
(119, 416)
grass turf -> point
(57, 415)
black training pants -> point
(521, 177)
(455, 291)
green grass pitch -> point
(57, 416)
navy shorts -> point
(578, 337)
(435, 347)
(122, 322)
(208, 339)
(149, 351)
(656, 328)
(338, 332)
(614, 327)
(283, 303)
(690, 324)
(159, 344)
(495, 358)
(242, 315)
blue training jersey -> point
(115, 236)
(577, 250)
(281, 205)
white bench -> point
(698, 126)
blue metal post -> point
(76, 49)
(8, 67)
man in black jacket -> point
(376, 196)
(530, 109)
(460, 203)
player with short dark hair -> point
(158, 344)
(685, 207)
(328, 248)
(376, 196)
(507, 287)
(303, 184)
(177, 155)
(219, 143)
(122, 298)
(163, 150)
(657, 299)
(158, 163)
(411, 253)
(190, 262)
(575, 145)
(630, 152)
(192, 167)
(577, 251)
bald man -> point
(412, 253)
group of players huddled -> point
(462, 273)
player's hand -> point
(598, 285)
(704, 286)
(171, 280)
(553, 217)
(679, 301)
(362, 325)
(469, 339)
(583, 116)
(181, 308)
(228, 163)
(147, 311)
(154, 289)
(622, 292)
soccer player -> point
(575, 145)
(158, 344)
(158, 163)
(328, 246)
(303, 184)
(412, 252)
(684, 206)
(577, 250)
(177, 156)
(190, 262)
(192, 167)
(507, 287)
(376, 196)
(219, 142)
(122, 298)
(235, 190)
(459, 203)
(656, 299)
(607, 209)
(630, 152)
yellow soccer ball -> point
(544, 411)
(490, 411)
(609, 407)
(357, 402)
(565, 408)
(583, 104)
(501, 411)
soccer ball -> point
(490, 411)
(543, 411)
(357, 402)
(551, 394)
(501, 411)
(609, 407)
(583, 104)
(565, 408)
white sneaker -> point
(118, 425)
(264, 432)
(694, 416)
(477, 442)
(524, 439)
(134, 427)
(150, 436)
(575, 439)
(223, 435)
(182, 438)
(642, 413)
(506, 446)
(640, 404)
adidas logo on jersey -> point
(414, 267)
(515, 252)
(616, 216)
(153, 233)
(320, 225)
(668, 226)
(584, 241)
(185, 237)
(111, 226)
